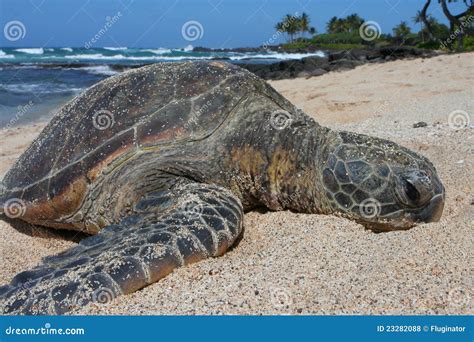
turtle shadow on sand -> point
(45, 232)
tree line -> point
(432, 33)
(295, 25)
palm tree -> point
(418, 19)
(332, 24)
(402, 30)
(340, 26)
(290, 25)
(304, 23)
(279, 27)
(353, 22)
(455, 20)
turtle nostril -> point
(412, 193)
(414, 189)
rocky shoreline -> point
(334, 61)
(317, 66)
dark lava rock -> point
(420, 124)
(333, 61)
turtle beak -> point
(432, 211)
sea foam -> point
(33, 51)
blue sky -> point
(158, 23)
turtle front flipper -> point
(168, 229)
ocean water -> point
(35, 82)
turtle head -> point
(380, 184)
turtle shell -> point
(163, 103)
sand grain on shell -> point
(310, 264)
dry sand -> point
(310, 264)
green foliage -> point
(460, 26)
(469, 43)
(297, 44)
(302, 45)
(341, 46)
(429, 45)
(295, 25)
(349, 24)
(338, 38)
(402, 30)
(440, 31)
(343, 33)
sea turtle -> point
(158, 165)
